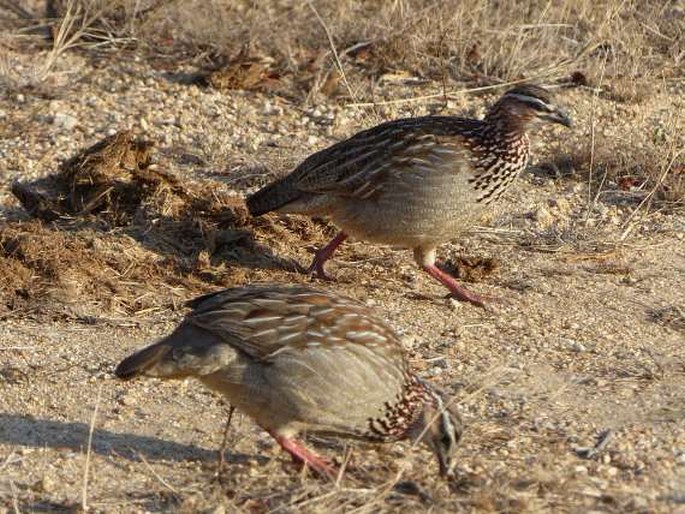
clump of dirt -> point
(253, 70)
(246, 72)
(114, 233)
(471, 268)
(109, 179)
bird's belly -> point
(308, 391)
(411, 213)
(249, 391)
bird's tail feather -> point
(271, 197)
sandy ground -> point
(572, 386)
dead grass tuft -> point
(638, 163)
(637, 174)
(463, 41)
(629, 44)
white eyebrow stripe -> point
(529, 99)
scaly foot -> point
(458, 291)
(308, 457)
(322, 255)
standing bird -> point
(414, 182)
(300, 360)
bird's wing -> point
(357, 167)
(264, 322)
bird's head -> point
(525, 104)
(439, 427)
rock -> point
(435, 371)
(408, 340)
(46, 485)
(638, 503)
(543, 217)
(128, 400)
(219, 509)
(64, 120)
(573, 346)
(580, 470)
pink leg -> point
(302, 454)
(324, 254)
(459, 292)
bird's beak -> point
(446, 465)
(558, 116)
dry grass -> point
(58, 273)
(635, 164)
(60, 28)
(460, 40)
(630, 43)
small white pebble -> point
(580, 470)
(64, 120)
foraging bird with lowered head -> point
(297, 360)
(416, 182)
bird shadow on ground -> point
(27, 431)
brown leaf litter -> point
(113, 232)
